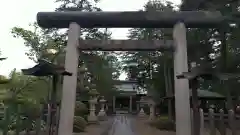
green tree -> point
(22, 96)
(40, 40)
(150, 69)
(214, 48)
(21, 87)
(155, 69)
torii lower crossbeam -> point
(125, 45)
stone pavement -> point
(141, 127)
(97, 129)
(130, 125)
(122, 125)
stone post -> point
(69, 82)
(130, 104)
(182, 103)
(141, 113)
(114, 101)
(151, 105)
(138, 106)
(102, 113)
(106, 108)
(92, 118)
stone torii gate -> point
(74, 20)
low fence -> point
(21, 123)
(1, 111)
(219, 123)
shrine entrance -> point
(178, 21)
(122, 103)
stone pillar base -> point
(151, 118)
(142, 114)
(102, 115)
(152, 115)
(92, 119)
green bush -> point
(80, 109)
(163, 117)
(85, 117)
(79, 124)
(164, 124)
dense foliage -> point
(155, 69)
(96, 69)
(101, 67)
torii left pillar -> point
(69, 82)
(182, 103)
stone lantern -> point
(151, 104)
(92, 118)
(49, 69)
(141, 113)
(238, 109)
(102, 113)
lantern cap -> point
(46, 68)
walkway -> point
(142, 127)
(122, 125)
(97, 129)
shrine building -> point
(127, 97)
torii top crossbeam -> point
(133, 19)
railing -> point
(37, 125)
(1, 111)
(219, 123)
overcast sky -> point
(23, 12)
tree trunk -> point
(170, 84)
(195, 106)
(167, 77)
(224, 66)
(228, 93)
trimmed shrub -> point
(163, 123)
(80, 109)
(79, 124)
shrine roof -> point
(125, 82)
(205, 94)
(209, 94)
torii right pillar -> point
(182, 103)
